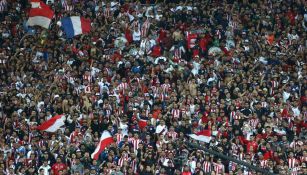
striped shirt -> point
(119, 138)
(66, 6)
(292, 162)
(263, 163)
(165, 87)
(107, 12)
(172, 134)
(207, 166)
(135, 143)
(219, 168)
(253, 122)
(145, 28)
(176, 113)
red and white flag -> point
(53, 124)
(40, 14)
(204, 136)
(191, 39)
(105, 140)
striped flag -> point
(40, 14)
(105, 140)
(75, 25)
(53, 124)
(204, 136)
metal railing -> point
(222, 156)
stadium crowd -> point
(236, 68)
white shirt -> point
(296, 111)
(285, 96)
(45, 168)
(124, 128)
(94, 71)
(136, 35)
(160, 128)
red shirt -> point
(156, 51)
(128, 35)
(291, 15)
(162, 35)
(58, 167)
(203, 43)
(186, 173)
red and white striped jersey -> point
(133, 164)
(165, 87)
(234, 116)
(176, 113)
(240, 156)
(219, 168)
(72, 136)
(162, 96)
(293, 144)
(121, 161)
(145, 28)
(107, 12)
(119, 137)
(263, 163)
(135, 143)
(87, 77)
(155, 89)
(292, 162)
(122, 87)
(253, 122)
(274, 85)
(67, 7)
(207, 166)
(172, 134)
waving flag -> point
(105, 140)
(40, 14)
(75, 25)
(53, 124)
(204, 136)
